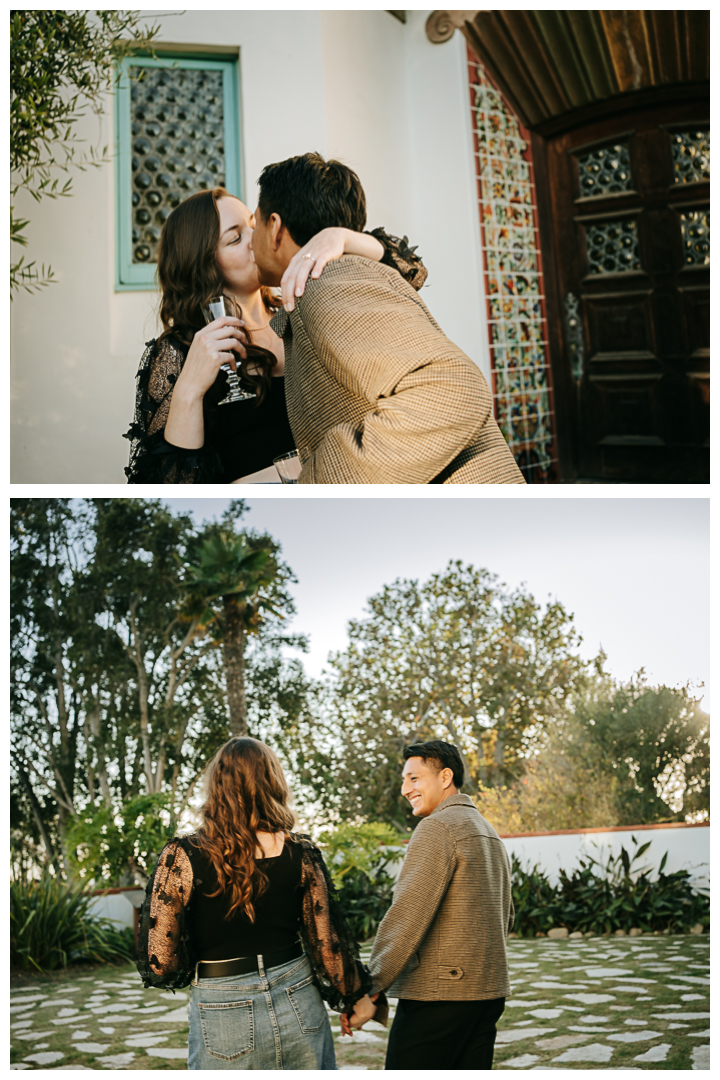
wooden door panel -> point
(625, 237)
(620, 329)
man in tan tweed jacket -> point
(441, 946)
(375, 391)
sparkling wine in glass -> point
(216, 308)
(289, 466)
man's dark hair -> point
(310, 194)
(441, 755)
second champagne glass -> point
(215, 308)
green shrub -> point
(118, 844)
(51, 927)
(604, 897)
(358, 857)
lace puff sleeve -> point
(402, 258)
(165, 954)
(328, 941)
(152, 459)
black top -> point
(278, 910)
(240, 438)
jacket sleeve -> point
(426, 400)
(328, 940)
(423, 881)
(164, 948)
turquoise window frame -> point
(131, 276)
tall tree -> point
(62, 63)
(459, 657)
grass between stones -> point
(590, 1003)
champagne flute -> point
(215, 308)
(289, 466)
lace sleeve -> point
(402, 258)
(152, 459)
(165, 955)
(341, 977)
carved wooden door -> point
(625, 226)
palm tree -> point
(227, 591)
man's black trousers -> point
(443, 1034)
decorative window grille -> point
(604, 171)
(691, 156)
(612, 248)
(695, 225)
(177, 133)
(514, 285)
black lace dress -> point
(166, 947)
(240, 438)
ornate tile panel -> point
(518, 341)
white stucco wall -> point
(119, 907)
(353, 84)
(687, 849)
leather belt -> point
(247, 965)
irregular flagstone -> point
(701, 1057)
(634, 1036)
(590, 1019)
(685, 1016)
(20, 1065)
(125, 1006)
(590, 999)
(82, 1035)
(107, 1030)
(624, 989)
(699, 980)
(655, 1053)
(698, 1034)
(116, 1061)
(693, 997)
(524, 1004)
(178, 1016)
(359, 1037)
(45, 1058)
(33, 1034)
(591, 1030)
(606, 972)
(166, 1052)
(52, 1002)
(561, 1041)
(21, 1008)
(518, 1062)
(594, 1052)
(670, 1026)
(515, 1036)
(20, 1025)
(146, 1040)
(68, 1012)
(27, 1000)
(546, 1014)
(91, 1047)
(556, 986)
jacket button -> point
(454, 971)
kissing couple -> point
(346, 367)
(243, 911)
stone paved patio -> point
(585, 1003)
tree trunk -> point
(37, 814)
(234, 661)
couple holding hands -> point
(347, 367)
(244, 912)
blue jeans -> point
(272, 1019)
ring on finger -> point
(309, 257)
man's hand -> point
(364, 1010)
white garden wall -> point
(118, 905)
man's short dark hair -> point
(441, 755)
(310, 194)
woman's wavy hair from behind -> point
(246, 791)
(188, 275)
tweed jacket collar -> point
(454, 800)
(280, 322)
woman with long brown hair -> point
(245, 911)
(179, 434)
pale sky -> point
(634, 572)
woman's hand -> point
(211, 348)
(311, 260)
(365, 1009)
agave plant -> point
(51, 927)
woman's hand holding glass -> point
(211, 348)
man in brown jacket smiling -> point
(441, 947)
(374, 389)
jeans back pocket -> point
(227, 1028)
(308, 1005)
